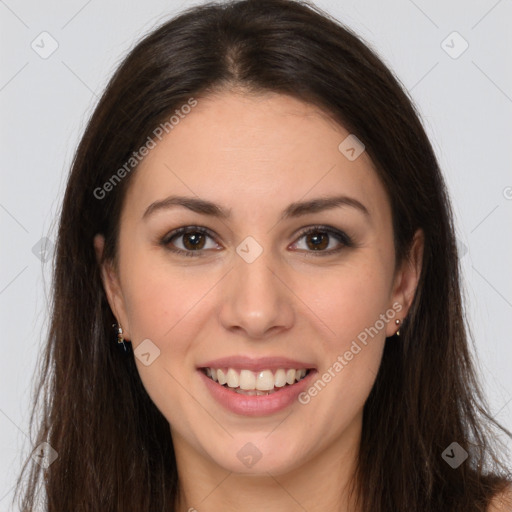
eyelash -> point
(342, 237)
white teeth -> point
(280, 378)
(247, 380)
(232, 378)
(265, 380)
(221, 377)
(262, 382)
(290, 376)
(254, 392)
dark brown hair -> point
(114, 447)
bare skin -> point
(255, 155)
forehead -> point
(254, 151)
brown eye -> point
(193, 241)
(317, 241)
(319, 238)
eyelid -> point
(337, 233)
(176, 233)
(344, 239)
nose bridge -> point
(256, 299)
(252, 271)
(252, 266)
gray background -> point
(465, 100)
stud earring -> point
(397, 323)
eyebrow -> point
(296, 209)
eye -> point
(193, 240)
(319, 238)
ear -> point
(112, 287)
(406, 280)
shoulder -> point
(502, 502)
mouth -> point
(256, 383)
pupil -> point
(317, 241)
(195, 238)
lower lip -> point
(256, 405)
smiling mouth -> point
(264, 382)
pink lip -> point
(256, 405)
(255, 364)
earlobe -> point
(407, 278)
(111, 286)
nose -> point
(256, 299)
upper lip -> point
(255, 364)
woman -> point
(257, 210)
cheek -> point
(165, 306)
(159, 295)
(169, 305)
(350, 300)
(352, 353)
(354, 305)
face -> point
(273, 283)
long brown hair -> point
(114, 447)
